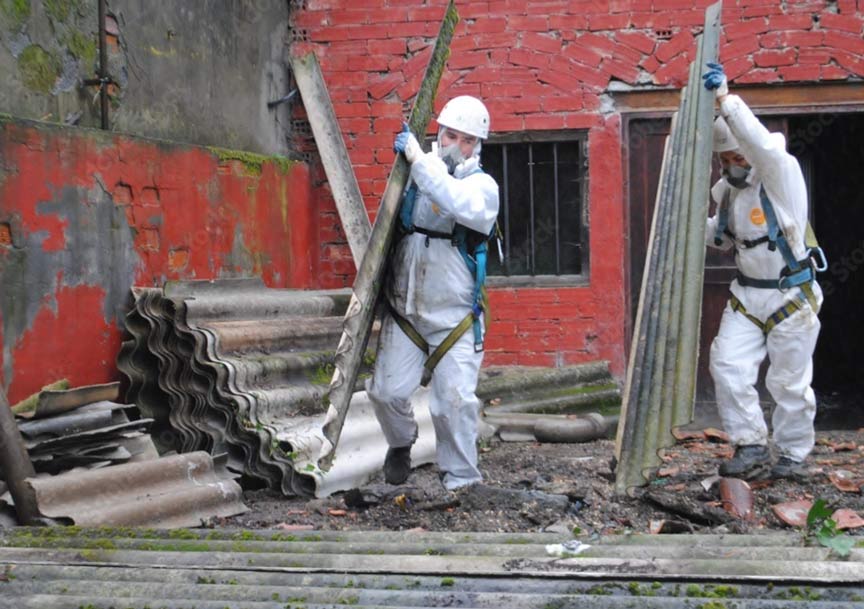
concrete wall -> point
(47, 49)
(549, 66)
(85, 215)
(199, 71)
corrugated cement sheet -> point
(661, 374)
(234, 367)
(54, 568)
(174, 491)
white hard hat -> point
(466, 114)
(724, 141)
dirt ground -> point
(535, 487)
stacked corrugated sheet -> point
(231, 366)
(83, 427)
(661, 375)
(95, 466)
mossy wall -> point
(199, 72)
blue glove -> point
(715, 80)
(407, 144)
(402, 139)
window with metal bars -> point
(543, 216)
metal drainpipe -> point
(103, 63)
(16, 464)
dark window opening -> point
(543, 194)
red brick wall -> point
(85, 215)
(544, 65)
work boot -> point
(749, 463)
(397, 464)
(788, 468)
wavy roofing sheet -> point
(660, 387)
(269, 570)
(231, 366)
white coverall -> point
(431, 287)
(740, 346)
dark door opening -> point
(831, 151)
(830, 147)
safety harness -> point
(796, 273)
(464, 239)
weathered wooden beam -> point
(16, 464)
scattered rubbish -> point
(845, 481)
(669, 527)
(480, 496)
(793, 513)
(567, 549)
(27, 406)
(668, 472)
(284, 526)
(737, 498)
(681, 505)
(96, 467)
(685, 435)
(847, 519)
(709, 482)
(717, 435)
(843, 446)
(83, 426)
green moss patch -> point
(58, 10)
(16, 12)
(83, 47)
(252, 162)
(39, 69)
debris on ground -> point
(95, 464)
(565, 487)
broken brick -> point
(716, 435)
(5, 234)
(845, 481)
(847, 519)
(793, 513)
(737, 498)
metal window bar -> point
(531, 245)
(505, 267)
(557, 205)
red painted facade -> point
(545, 65)
(187, 212)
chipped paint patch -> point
(86, 214)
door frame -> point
(776, 100)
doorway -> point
(830, 148)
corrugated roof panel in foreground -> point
(52, 568)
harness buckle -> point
(820, 263)
(478, 347)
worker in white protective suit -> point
(435, 299)
(762, 213)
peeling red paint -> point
(187, 210)
(73, 342)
